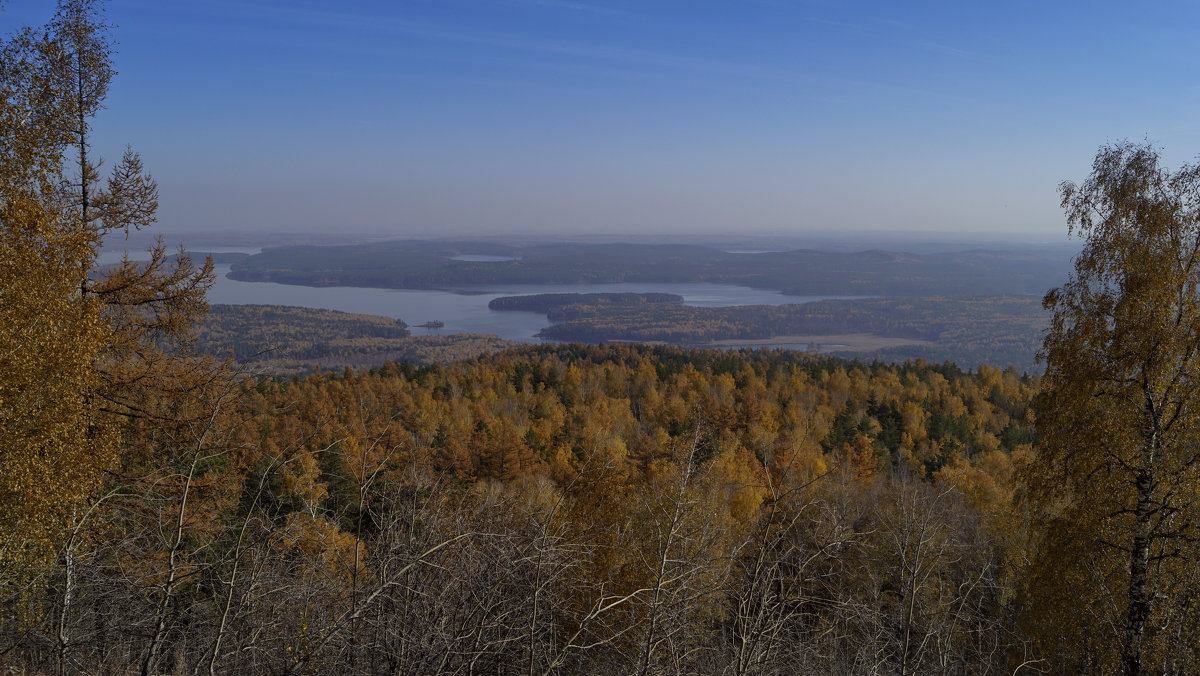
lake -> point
(463, 310)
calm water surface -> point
(462, 310)
(466, 310)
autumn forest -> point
(170, 503)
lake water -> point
(466, 310)
(462, 310)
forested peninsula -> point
(284, 341)
(970, 331)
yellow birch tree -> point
(1115, 485)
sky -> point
(559, 117)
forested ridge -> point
(408, 264)
(573, 508)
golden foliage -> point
(1113, 488)
(56, 445)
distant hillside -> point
(426, 265)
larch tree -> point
(1114, 487)
(96, 373)
(53, 442)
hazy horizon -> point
(918, 242)
(560, 118)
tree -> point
(1114, 487)
(55, 443)
(97, 379)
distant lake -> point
(466, 310)
(462, 310)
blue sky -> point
(449, 117)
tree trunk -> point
(1139, 564)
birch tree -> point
(1114, 488)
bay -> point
(464, 309)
